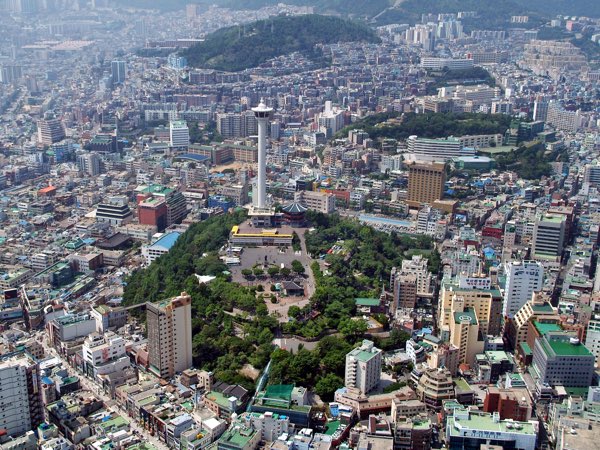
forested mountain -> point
(241, 47)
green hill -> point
(238, 48)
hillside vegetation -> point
(431, 125)
(238, 48)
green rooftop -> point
(237, 436)
(279, 391)
(544, 328)
(564, 348)
(115, 423)
(219, 399)
(156, 189)
(332, 427)
(467, 314)
(367, 301)
(462, 384)
(526, 348)
(543, 308)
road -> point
(110, 404)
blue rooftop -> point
(191, 156)
(167, 241)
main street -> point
(89, 385)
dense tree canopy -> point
(430, 125)
(238, 48)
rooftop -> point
(167, 241)
(542, 308)
(467, 315)
(485, 422)
(544, 328)
(238, 436)
(367, 301)
(564, 348)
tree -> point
(327, 385)
(298, 267)
(286, 271)
(272, 271)
(257, 271)
(294, 311)
(353, 329)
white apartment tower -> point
(170, 335)
(363, 367)
(20, 408)
(179, 134)
(523, 278)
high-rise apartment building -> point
(540, 109)
(523, 278)
(549, 236)
(118, 71)
(50, 131)
(425, 183)
(331, 120)
(20, 408)
(170, 335)
(233, 125)
(363, 367)
(179, 134)
(440, 150)
(89, 163)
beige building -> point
(435, 385)
(464, 334)
(425, 183)
(486, 303)
(363, 367)
(317, 201)
(537, 309)
(170, 335)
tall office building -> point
(363, 367)
(559, 359)
(522, 280)
(425, 183)
(549, 236)
(179, 134)
(20, 408)
(170, 335)
(50, 131)
(118, 71)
